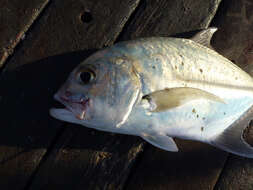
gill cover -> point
(127, 89)
(114, 91)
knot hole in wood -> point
(86, 17)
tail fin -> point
(231, 140)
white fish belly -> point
(201, 119)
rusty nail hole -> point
(86, 17)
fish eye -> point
(86, 76)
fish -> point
(161, 88)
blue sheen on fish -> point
(159, 88)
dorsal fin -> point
(204, 37)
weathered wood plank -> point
(164, 18)
(31, 77)
(237, 174)
(16, 17)
(234, 39)
(196, 166)
(85, 159)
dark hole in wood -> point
(86, 17)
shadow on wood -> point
(178, 170)
(26, 95)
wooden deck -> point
(42, 40)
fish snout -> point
(68, 96)
(76, 103)
(63, 95)
(67, 93)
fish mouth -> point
(76, 108)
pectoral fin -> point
(161, 141)
(166, 99)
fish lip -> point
(77, 108)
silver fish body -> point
(160, 88)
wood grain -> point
(166, 18)
(57, 43)
(16, 17)
(195, 166)
(234, 38)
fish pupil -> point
(85, 77)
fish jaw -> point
(75, 109)
(64, 115)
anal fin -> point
(161, 141)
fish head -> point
(100, 92)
